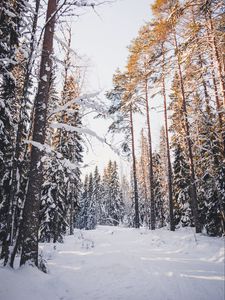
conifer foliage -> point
(101, 200)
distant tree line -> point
(101, 199)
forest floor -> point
(114, 263)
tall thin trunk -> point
(218, 106)
(145, 193)
(136, 205)
(152, 199)
(67, 63)
(71, 216)
(218, 102)
(169, 167)
(200, 60)
(32, 203)
(217, 57)
(193, 190)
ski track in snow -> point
(114, 263)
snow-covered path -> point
(128, 264)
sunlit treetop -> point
(159, 7)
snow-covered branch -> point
(50, 151)
(86, 101)
(83, 130)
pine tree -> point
(124, 104)
(116, 212)
(143, 175)
(211, 172)
(170, 11)
(87, 217)
(97, 194)
(138, 66)
(157, 189)
(181, 184)
(163, 170)
(127, 200)
(82, 217)
(91, 211)
(113, 204)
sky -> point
(103, 36)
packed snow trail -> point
(112, 263)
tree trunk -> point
(218, 102)
(169, 168)
(145, 194)
(193, 190)
(72, 207)
(217, 58)
(31, 208)
(136, 206)
(207, 98)
(152, 199)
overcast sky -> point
(103, 37)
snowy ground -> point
(128, 264)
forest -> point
(176, 63)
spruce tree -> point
(181, 184)
(157, 189)
(91, 210)
(11, 18)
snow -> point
(86, 101)
(44, 78)
(78, 100)
(112, 263)
(70, 128)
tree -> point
(113, 210)
(81, 221)
(124, 104)
(172, 10)
(30, 224)
(157, 188)
(140, 71)
(97, 195)
(211, 172)
(181, 183)
(143, 175)
(87, 217)
(11, 18)
(91, 211)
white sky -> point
(104, 37)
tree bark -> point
(30, 225)
(217, 58)
(169, 168)
(136, 205)
(152, 199)
(217, 98)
